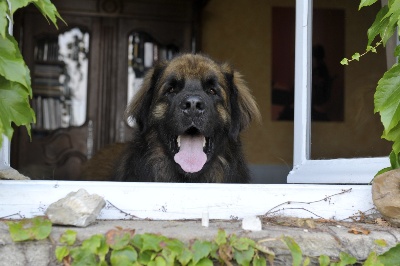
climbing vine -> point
(124, 247)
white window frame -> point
(169, 201)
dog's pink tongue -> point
(191, 156)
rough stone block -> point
(77, 209)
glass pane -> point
(143, 53)
(59, 80)
(344, 124)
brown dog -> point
(189, 113)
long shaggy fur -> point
(161, 110)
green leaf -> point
(12, 65)
(37, 228)
(387, 103)
(384, 170)
(145, 257)
(344, 61)
(394, 160)
(61, 253)
(259, 261)
(204, 262)
(397, 51)
(244, 257)
(373, 260)
(379, 26)
(381, 242)
(119, 238)
(220, 239)
(356, 56)
(3, 19)
(390, 257)
(125, 256)
(151, 242)
(96, 244)
(83, 257)
(200, 249)
(185, 256)
(294, 249)
(324, 260)
(366, 3)
(346, 259)
(68, 237)
(49, 11)
(306, 261)
(17, 4)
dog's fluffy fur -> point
(190, 97)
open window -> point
(228, 201)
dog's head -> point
(195, 105)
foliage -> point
(37, 228)
(15, 81)
(387, 95)
(123, 247)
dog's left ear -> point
(139, 107)
(244, 108)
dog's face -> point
(194, 106)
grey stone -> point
(77, 209)
(386, 195)
(12, 174)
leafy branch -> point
(124, 247)
(15, 80)
(387, 95)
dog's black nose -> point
(192, 105)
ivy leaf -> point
(96, 244)
(49, 11)
(37, 228)
(68, 237)
(125, 256)
(204, 262)
(356, 56)
(294, 249)
(200, 249)
(244, 257)
(151, 242)
(381, 242)
(397, 51)
(185, 256)
(366, 3)
(61, 253)
(83, 257)
(259, 261)
(220, 239)
(346, 259)
(344, 61)
(390, 257)
(119, 238)
(373, 260)
(324, 260)
(387, 103)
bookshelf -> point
(84, 73)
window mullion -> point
(302, 112)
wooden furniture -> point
(103, 54)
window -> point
(227, 201)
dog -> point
(189, 113)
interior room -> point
(84, 74)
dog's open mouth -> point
(191, 150)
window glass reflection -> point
(60, 79)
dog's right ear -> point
(139, 106)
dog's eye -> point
(170, 90)
(212, 91)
